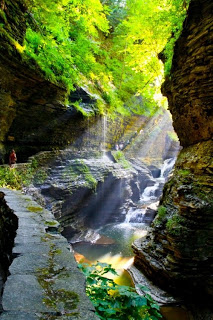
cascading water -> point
(152, 193)
(167, 167)
(116, 238)
(150, 196)
(103, 147)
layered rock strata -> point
(178, 251)
(88, 189)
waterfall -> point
(103, 144)
(104, 131)
(135, 215)
(151, 194)
(88, 133)
(167, 167)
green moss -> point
(161, 212)
(86, 113)
(51, 223)
(3, 16)
(120, 158)
(175, 224)
(184, 172)
(58, 299)
(80, 171)
(161, 215)
(35, 209)
(173, 136)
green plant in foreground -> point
(10, 178)
(117, 302)
(18, 177)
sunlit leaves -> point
(65, 37)
(143, 35)
(117, 302)
(110, 45)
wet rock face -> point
(178, 251)
(27, 101)
(33, 114)
(8, 226)
(189, 90)
(86, 192)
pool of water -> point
(116, 239)
(114, 247)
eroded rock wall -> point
(178, 251)
(27, 101)
(8, 226)
(33, 114)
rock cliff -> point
(34, 113)
(8, 226)
(177, 253)
(87, 189)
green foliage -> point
(20, 176)
(10, 177)
(116, 302)
(110, 46)
(120, 158)
(178, 16)
(66, 38)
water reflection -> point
(113, 247)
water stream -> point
(113, 241)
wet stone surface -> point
(44, 281)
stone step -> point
(44, 280)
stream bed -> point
(111, 243)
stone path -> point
(44, 281)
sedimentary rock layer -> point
(178, 251)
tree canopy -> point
(111, 47)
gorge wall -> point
(8, 226)
(34, 117)
(34, 113)
(177, 253)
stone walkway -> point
(44, 281)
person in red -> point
(12, 158)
